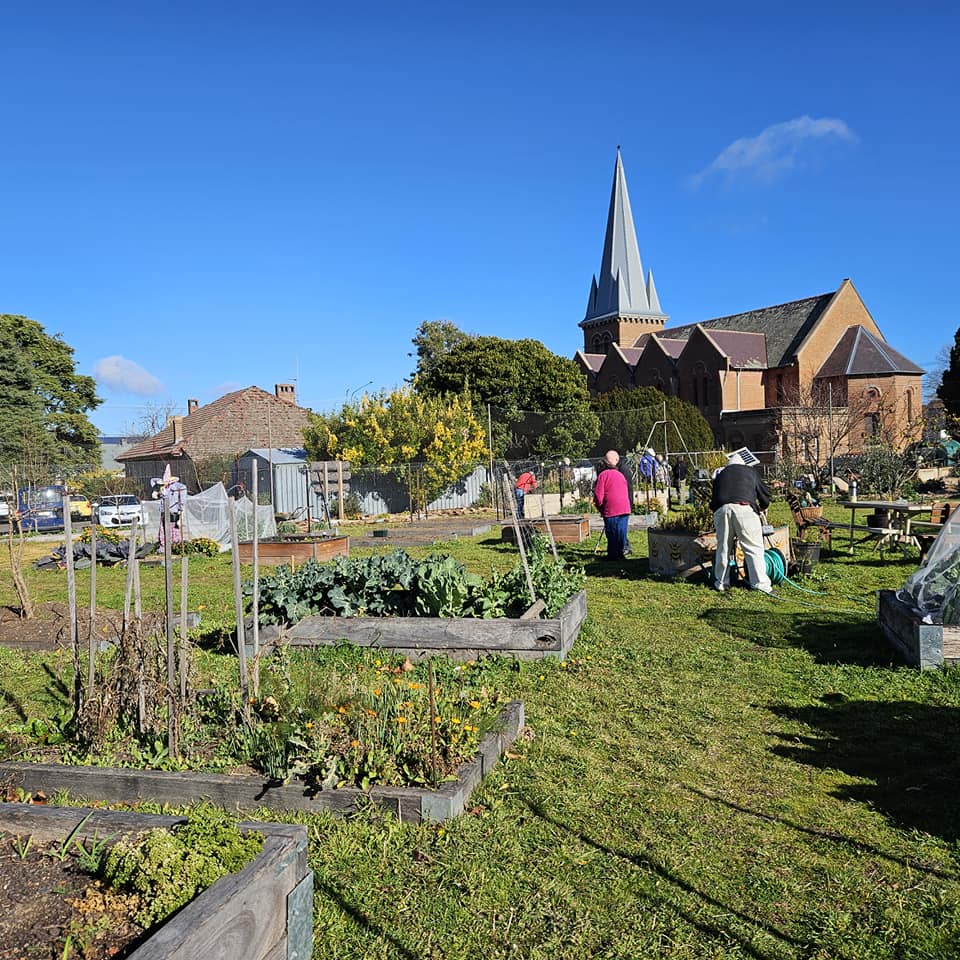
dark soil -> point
(46, 901)
(50, 626)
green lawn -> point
(709, 776)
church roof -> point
(743, 348)
(621, 289)
(784, 326)
(859, 353)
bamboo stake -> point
(92, 626)
(238, 604)
(131, 562)
(172, 745)
(255, 603)
(184, 639)
(512, 500)
(433, 724)
(72, 601)
(138, 633)
(546, 519)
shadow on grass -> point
(646, 862)
(906, 750)
(361, 919)
(830, 835)
(830, 637)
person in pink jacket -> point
(613, 501)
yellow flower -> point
(341, 709)
(563, 663)
(573, 733)
(376, 663)
(371, 713)
(455, 720)
(436, 719)
(377, 692)
(542, 677)
(309, 724)
(354, 744)
(475, 704)
(401, 719)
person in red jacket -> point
(525, 483)
(613, 501)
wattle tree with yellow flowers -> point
(400, 427)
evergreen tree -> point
(628, 416)
(949, 389)
(54, 424)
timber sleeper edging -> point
(262, 912)
(411, 804)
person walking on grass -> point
(739, 496)
(613, 501)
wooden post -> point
(543, 513)
(184, 641)
(71, 599)
(131, 560)
(255, 603)
(92, 626)
(138, 618)
(172, 744)
(512, 500)
(340, 512)
(238, 605)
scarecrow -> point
(171, 491)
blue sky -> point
(203, 196)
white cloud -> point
(776, 150)
(124, 375)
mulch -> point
(50, 627)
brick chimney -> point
(192, 406)
(177, 429)
(287, 392)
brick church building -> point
(784, 378)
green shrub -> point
(166, 869)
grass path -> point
(708, 776)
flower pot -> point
(805, 556)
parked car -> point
(80, 507)
(6, 499)
(116, 510)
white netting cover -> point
(206, 514)
(934, 590)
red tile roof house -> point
(210, 438)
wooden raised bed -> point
(924, 645)
(410, 804)
(262, 912)
(461, 638)
(565, 529)
(295, 550)
(676, 554)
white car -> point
(117, 510)
(5, 500)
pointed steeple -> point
(652, 297)
(620, 290)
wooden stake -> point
(72, 601)
(238, 605)
(512, 500)
(131, 562)
(184, 639)
(546, 519)
(433, 724)
(255, 604)
(172, 744)
(92, 626)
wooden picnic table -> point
(897, 531)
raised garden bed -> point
(411, 804)
(674, 553)
(263, 911)
(565, 528)
(461, 638)
(295, 550)
(924, 645)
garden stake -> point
(92, 626)
(255, 549)
(172, 745)
(131, 560)
(509, 498)
(72, 600)
(238, 607)
(184, 642)
(433, 723)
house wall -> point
(742, 389)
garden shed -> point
(282, 476)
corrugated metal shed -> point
(291, 484)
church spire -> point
(620, 289)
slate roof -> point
(745, 350)
(859, 353)
(785, 326)
(593, 361)
(631, 355)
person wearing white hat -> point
(739, 496)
